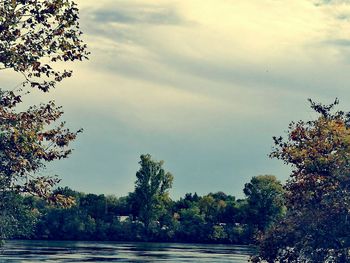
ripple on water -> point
(54, 251)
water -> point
(52, 251)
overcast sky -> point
(202, 85)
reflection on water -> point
(51, 251)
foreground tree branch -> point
(35, 34)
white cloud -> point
(212, 61)
(227, 72)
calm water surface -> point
(42, 251)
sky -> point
(202, 85)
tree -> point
(192, 225)
(16, 217)
(265, 201)
(28, 140)
(34, 34)
(151, 190)
(316, 227)
(212, 207)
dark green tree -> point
(16, 218)
(265, 201)
(193, 227)
(151, 190)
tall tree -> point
(34, 35)
(151, 190)
(317, 226)
(28, 140)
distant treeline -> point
(212, 218)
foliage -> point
(265, 201)
(151, 190)
(215, 217)
(16, 217)
(34, 34)
(100, 217)
(192, 226)
(28, 140)
(316, 227)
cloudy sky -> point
(200, 84)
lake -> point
(62, 251)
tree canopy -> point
(28, 140)
(265, 196)
(211, 218)
(316, 227)
(35, 34)
(151, 189)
